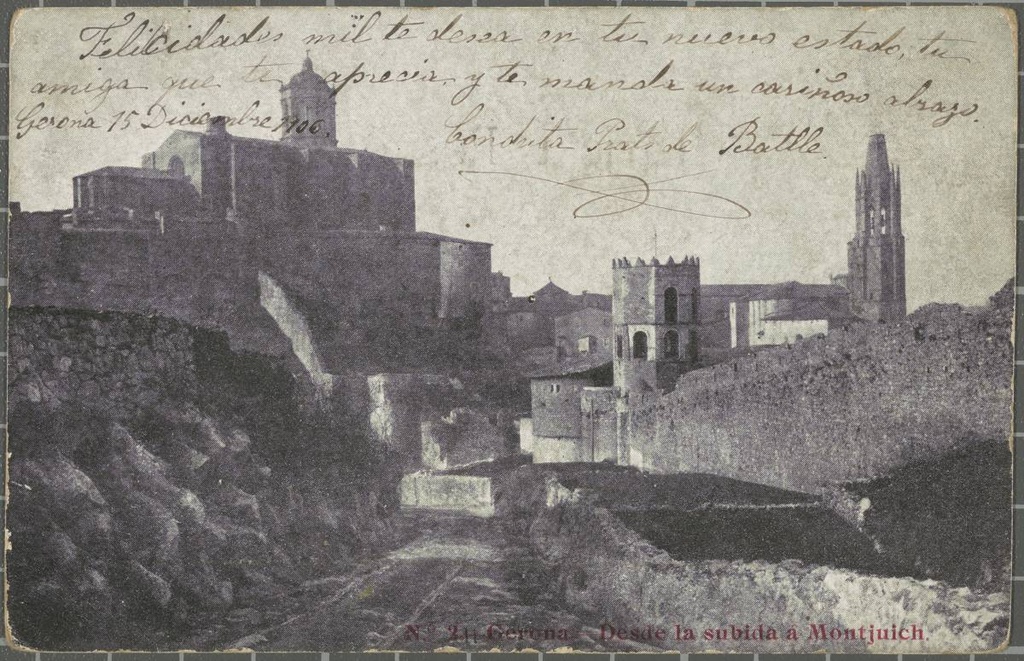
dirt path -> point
(461, 582)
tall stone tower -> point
(877, 254)
(305, 99)
(655, 312)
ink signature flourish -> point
(621, 193)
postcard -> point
(594, 329)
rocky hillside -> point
(603, 568)
(160, 483)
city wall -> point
(371, 299)
(854, 405)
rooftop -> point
(126, 171)
(798, 290)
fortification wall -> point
(196, 273)
(372, 299)
(854, 405)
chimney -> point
(217, 125)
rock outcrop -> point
(154, 491)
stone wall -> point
(450, 493)
(854, 405)
(610, 571)
(192, 272)
(372, 300)
(599, 428)
(129, 361)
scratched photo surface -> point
(603, 329)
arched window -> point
(671, 305)
(639, 345)
(176, 166)
(618, 346)
(695, 305)
(671, 344)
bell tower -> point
(655, 313)
(876, 255)
(308, 103)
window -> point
(639, 345)
(671, 344)
(618, 346)
(671, 305)
(556, 387)
(176, 166)
(695, 305)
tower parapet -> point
(624, 263)
(655, 312)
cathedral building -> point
(302, 181)
(213, 225)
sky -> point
(780, 215)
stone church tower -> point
(305, 99)
(877, 254)
(655, 313)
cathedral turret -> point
(308, 106)
(877, 254)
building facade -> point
(791, 311)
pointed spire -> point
(307, 64)
(670, 262)
(877, 163)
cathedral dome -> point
(306, 77)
